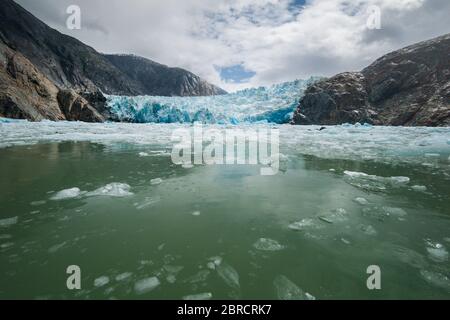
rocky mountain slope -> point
(26, 93)
(160, 80)
(47, 62)
(408, 87)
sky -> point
(237, 44)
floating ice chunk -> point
(229, 275)
(146, 285)
(265, 244)
(199, 296)
(436, 251)
(214, 262)
(112, 190)
(369, 230)
(38, 203)
(372, 182)
(101, 281)
(337, 215)
(147, 202)
(8, 221)
(66, 194)
(143, 154)
(56, 247)
(196, 213)
(156, 181)
(187, 165)
(436, 279)
(123, 276)
(173, 269)
(361, 201)
(400, 180)
(287, 290)
(171, 278)
(302, 224)
(6, 245)
(397, 212)
(345, 241)
(419, 188)
(432, 155)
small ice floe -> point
(395, 212)
(419, 188)
(336, 216)
(372, 182)
(436, 279)
(196, 213)
(156, 181)
(101, 281)
(287, 290)
(187, 165)
(266, 244)
(369, 230)
(6, 245)
(199, 296)
(66, 194)
(148, 201)
(56, 247)
(173, 269)
(8, 221)
(432, 155)
(332, 170)
(146, 285)
(171, 278)
(38, 203)
(345, 241)
(123, 276)
(143, 154)
(361, 201)
(214, 262)
(161, 246)
(303, 224)
(112, 190)
(436, 251)
(229, 275)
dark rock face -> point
(76, 108)
(159, 80)
(408, 87)
(37, 61)
(25, 93)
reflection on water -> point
(217, 231)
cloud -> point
(274, 40)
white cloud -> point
(269, 37)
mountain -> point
(409, 87)
(160, 80)
(55, 59)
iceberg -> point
(274, 104)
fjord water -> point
(346, 197)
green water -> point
(234, 206)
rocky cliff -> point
(408, 87)
(26, 93)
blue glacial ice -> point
(274, 104)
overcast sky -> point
(244, 43)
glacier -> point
(274, 104)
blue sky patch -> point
(236, 73)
